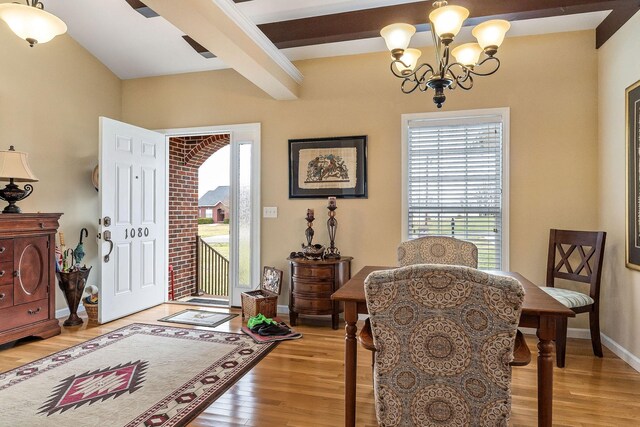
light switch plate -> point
(270, 212)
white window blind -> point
(455, 169)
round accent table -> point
(311, 286)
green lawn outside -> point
(208, 230)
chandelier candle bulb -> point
(467, 54)
(491, 34)
(397, 37)
(447, 21)
(332, 202)
(408, 61)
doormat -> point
(139, 375)
(208, 301)
(199, 317)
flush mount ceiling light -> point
(445, 21)
(31, 22)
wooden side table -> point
(311, 286)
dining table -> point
(539, 311)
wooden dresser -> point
(27, 276)
(311, 286)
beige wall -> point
(547, 81)
(618, 68)
(50, 99)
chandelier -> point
(445, 21)
(31, 22)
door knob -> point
(107, 238)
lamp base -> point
(11, 208)
(12, 193)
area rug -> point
(140, 375)
(199, 317)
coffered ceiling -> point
(133, 45)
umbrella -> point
(78, 253)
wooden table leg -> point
(546, 334)
(350, 363)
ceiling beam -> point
(616, 19)
(222, 30)
(367, 23)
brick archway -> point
(186, 155)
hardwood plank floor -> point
(300, 383)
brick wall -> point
(186, 155)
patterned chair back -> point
(444, 338)
(438, 250)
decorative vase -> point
(72, 285)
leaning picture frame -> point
(323, 167)
(632, 113)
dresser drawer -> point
(6, 296)
(24, 314)
(6, 273)
(6, 250)
(301, 286)
(313, 272)
(312, 305)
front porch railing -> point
(213, 270)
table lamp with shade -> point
(15, 168)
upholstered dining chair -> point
(438, 250)
(444, 337)
(576, 256)
(427, 250)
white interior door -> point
(133, 197)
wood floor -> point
(300, 383)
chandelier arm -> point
(418, 78)
(467, 83)
(488, 73)
(393, 70)
(416, 85)
(35, 3)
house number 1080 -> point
(131, 234)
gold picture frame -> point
(632, 126)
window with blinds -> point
(454, 182)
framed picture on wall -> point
(323, 167)
(632, 112)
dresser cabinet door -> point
(31, 264)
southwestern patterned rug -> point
(139, 375)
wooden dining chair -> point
(576, 256)
(444, 337)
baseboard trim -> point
(624, 354)
(64, 312)
(584, 334)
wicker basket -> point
(264, 300)
(259, 301)
(92, 312)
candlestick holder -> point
(311, 251)
(332, 225)
(309, 231)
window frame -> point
(504, 113)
